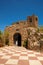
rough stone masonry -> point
(18, 31)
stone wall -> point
(21, 27)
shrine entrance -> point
(17, 39)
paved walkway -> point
(13, 55)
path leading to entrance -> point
(19, 56)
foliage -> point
(41, 28)
(1, 38)
(37, 30)
(1, 33)
(6, 33)
(25, 43)
(7, 42)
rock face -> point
(35, 39)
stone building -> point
(18, 31)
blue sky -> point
(15, 10)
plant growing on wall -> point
(37, 30)
(41, 29)
(25, 43)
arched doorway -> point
(17, 39)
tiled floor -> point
(13, 55)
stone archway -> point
(17, 39)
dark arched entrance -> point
(17, 39)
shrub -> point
(41, 29)
(25, 43)
(1, 38)
(6, 33)
(37, 30)
(7, 42)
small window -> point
(17, 22)
(17, 29)
(36, 19)
(30, 19)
